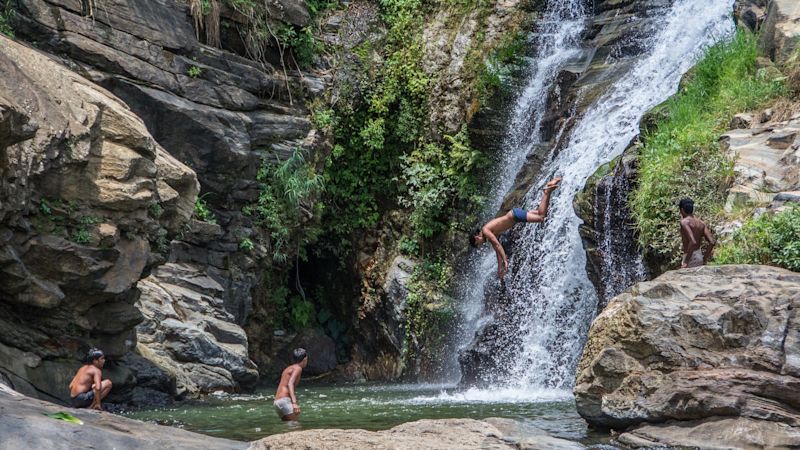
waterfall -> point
(537, 336)
(620, 264)
(557, 41)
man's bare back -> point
(83, 380)
(693, 231)
(499, 225)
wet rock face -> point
(694, 344)
(81, 177)
(613, 261)
(615, 36)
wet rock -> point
(694, 344)
(321, 352)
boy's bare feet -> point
(552, 184)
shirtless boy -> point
(87, 387)
(285, 399)
(498, 225)
(693, 231)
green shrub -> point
(680, 156)
(435, 178)
(6, 15)
(246, 244)
(194, 71)
(772, 239)
(283, 187)
(202, 211)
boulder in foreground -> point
(24, 425)
(695, 344)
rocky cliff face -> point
(711, 344)
(223, 115)
(86, 194)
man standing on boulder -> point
(86, 389)
(498, 225)
(285, 399)
(693, 230)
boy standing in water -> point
(285, 399)
(87, 388)
(498, 225)
(693, 230)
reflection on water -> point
(375, 407)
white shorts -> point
(283, 406)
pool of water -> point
(375, 407)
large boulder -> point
(81, 179)
(24, 424)
(696, 344)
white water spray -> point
(555, 302)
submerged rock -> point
(697, 344)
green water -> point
(375, 407)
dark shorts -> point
(520, 215)
(82, 400)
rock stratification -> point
(85, 192)
(695, 344)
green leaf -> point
(67, 417)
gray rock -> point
(440, 434)
(188, 334)
(715, 433)
(77, 161)
(694, 344)
(780, 34)
(23, 424)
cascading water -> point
(550, 301)
(557, 43)
(620, 264)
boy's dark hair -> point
(93, 354)
(472, 240)
(687, 205)
(298, 355)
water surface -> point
(376, 407)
